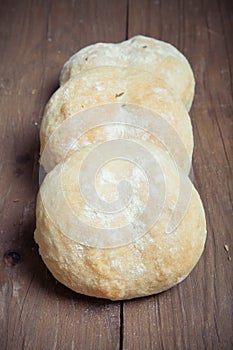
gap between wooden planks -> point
(37, 312)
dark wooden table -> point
(37, 312)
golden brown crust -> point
(106, 85)
(120, 254)
(159, 58)
(151, 264)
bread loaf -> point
(117, 216)
(109, 85)
(119, 261)
(144, 53)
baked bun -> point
(109, 85)
(119, 229)
(157, 57)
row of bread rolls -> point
(118, 255)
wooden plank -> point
(35, 310)
(36, 38)
(197, 314)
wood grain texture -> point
(36, 312)
(36, 38)
(196, 314)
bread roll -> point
(161, 59)
(128, 252)
(109, 85)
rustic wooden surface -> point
(36, 312)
